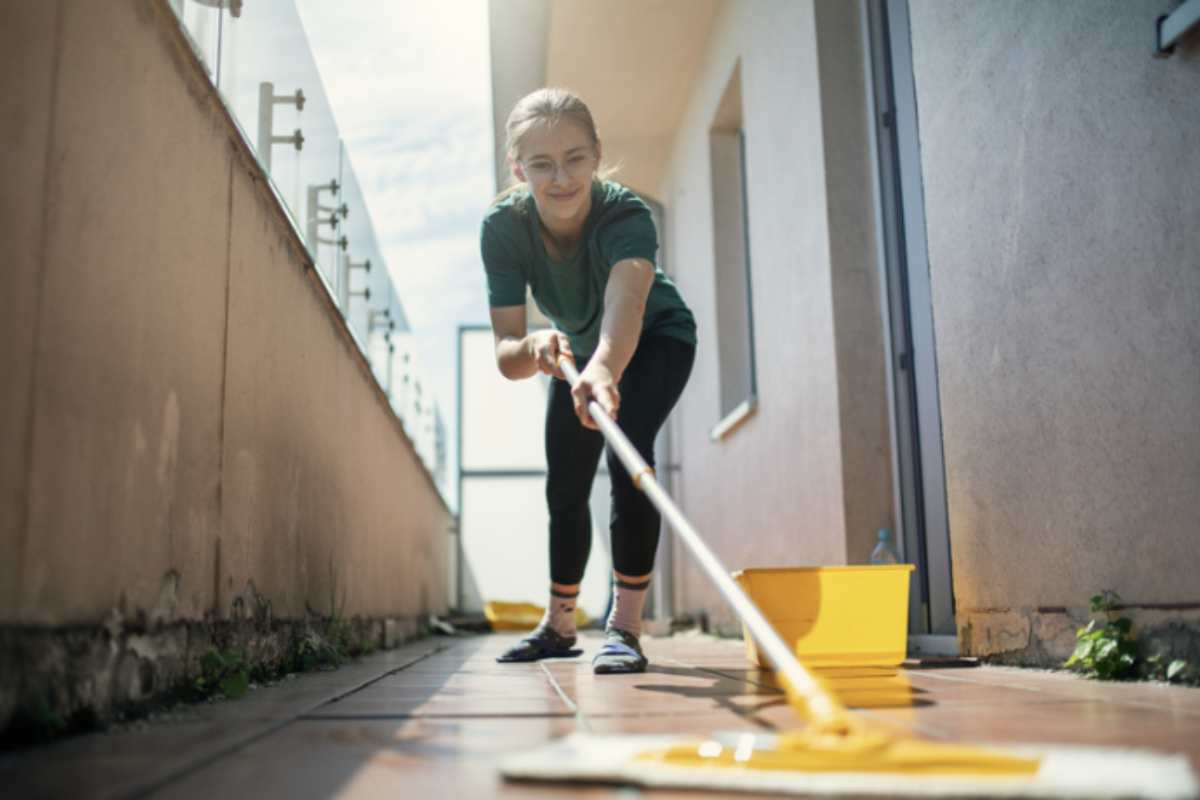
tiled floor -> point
(434, 718)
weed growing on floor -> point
(36, 722)
(322, 646)
(314, 650)
(223, 671)
(1106, 649)
(1174, 671)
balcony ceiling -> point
(632, 61)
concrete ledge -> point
(1045, 637)
(64, 680)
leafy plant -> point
(1175, 671)
(1105, 648)
(312, 650)
(224, 671)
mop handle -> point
(821, 706)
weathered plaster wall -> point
(188, 433)
(26, 86)
(805, 480)
(1062, 190)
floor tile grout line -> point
(428, 654)
(403, 715)
(954, 679)
(580, 720)
(712, 671)
(747, 714)
(400, 715)
(1062, 698)
(1057, 697)
(922, 728)
(658, 715)
(189, 769)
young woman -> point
(585, 247)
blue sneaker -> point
(620, 654)
(544, 642)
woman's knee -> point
(643, 443)
(567, 499)
(631, 508)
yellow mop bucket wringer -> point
(835, 752)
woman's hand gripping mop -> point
(835, 752)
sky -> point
(410, 87)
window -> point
(731, 260)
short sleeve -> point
(629, 233)
(505, 280)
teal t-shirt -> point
(571, 292)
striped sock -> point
(560, 613)
(628, 599)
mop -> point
(835, 753)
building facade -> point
(946, 267)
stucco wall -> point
(794, 483)
(1061, 167)
(25, 113)
(187, 427)
(855, 275)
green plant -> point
(43, 722)
(224, 671)
(1105, 648)
(312, 650)
(1174, 671)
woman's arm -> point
(624, 306)
(520, 355)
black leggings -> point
(649, 389)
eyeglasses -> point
(541, 170)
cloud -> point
(422, 57)
(409, 84)
(436, 277)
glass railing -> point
(256, 53)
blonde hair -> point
(546, 106)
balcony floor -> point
(432, 719)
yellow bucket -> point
(506, 616)
(834, 616)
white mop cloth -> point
(1066, 773)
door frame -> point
(918, 466)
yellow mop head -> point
(722, 764)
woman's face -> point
(558, 161)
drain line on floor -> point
(580, 720)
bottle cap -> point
(884, 534)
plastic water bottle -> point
(884, 552)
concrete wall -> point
(1061, 167)
(855, 275)
(187, 430)
(805, 480)
(25, 113)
